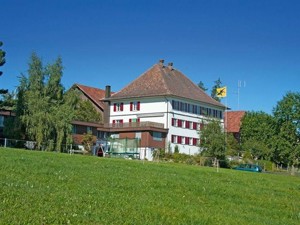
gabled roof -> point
(162, 80)
(233, 121)
(94, 94)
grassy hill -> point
(55, 188)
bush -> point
(266, 165)
(234, 163)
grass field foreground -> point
(55, 188)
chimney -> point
(170, 66)
(107, 91)
(106, 109)
(161, 62)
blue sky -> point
(113, 42)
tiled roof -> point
(96, 95)
(233, 121)
(162, 80)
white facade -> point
(183, 123)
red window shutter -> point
(187, 124)
(195, 141)
(131, 106)
(173, 121)
(179, 123)
(179, 139)
(130, 120)
(187, 140)
(138, 106)
(121, 106)
(138, 120)
(194, 125)
(114, 121)
(121, 121)
(115, 107)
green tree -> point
(257, 149)
(258, 131)
(2, 62)
(232, 145)
(8, 101)
(201, 85)
(54, 89)
(14, 127)
(287, 115)
(36, 114)
(85, 111)
(87, 141)
(43, 109)
(63, 114)
(212, 140)
(218, 84)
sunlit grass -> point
(55, 188)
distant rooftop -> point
(233, 121)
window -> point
(1, 121)
(183, 140)
(134, 120)
(74, 129)
(190, 141)
(157, 136)
(174, 122)
(118, 107)
(117, 123)
(138, 135)
(89, 129)
(187, 124)
(134, 106)
(183, 123)
(174, 139)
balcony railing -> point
(133, 125)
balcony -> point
(133, 126)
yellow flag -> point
(221, 92)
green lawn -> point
(56, 188)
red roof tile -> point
(162, 80)
(233, 121)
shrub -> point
(176, 150)
(266, 165)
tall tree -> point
(258, 128)
(287, 115)
(36, 116)
(54, 88)
(218, 84)
(14, 127)
(212, 140)
(2, 62)
(45, 110)
(202, 86)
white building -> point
(163, 108)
